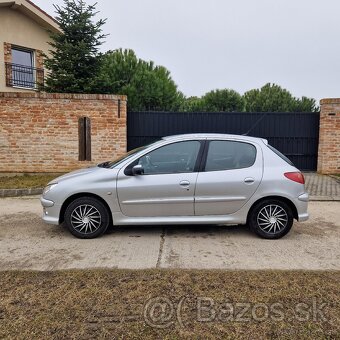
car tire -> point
(87, 217)
(271, 219)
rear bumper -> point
(301, 206)
(303, 217)
(304, 197)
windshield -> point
(126, 156)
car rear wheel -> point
(271, 219)
(87, 217)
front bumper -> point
(50, 211)
(46, 203)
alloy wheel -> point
(272, 219)
(86, 219)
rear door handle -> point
(184, 184)
(249, 180)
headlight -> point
(49, 188)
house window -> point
(20, 67)
(23, 74)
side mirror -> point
(138, 170)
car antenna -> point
(255, 124)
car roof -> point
(214, 136)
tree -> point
(192, 104)
(270, 98)
(215, 101)
(147, 86)
(306, 105)
(223, 101)
(273, 98)
(117, 71)
(74, 61)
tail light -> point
(295, 176)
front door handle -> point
(184, 184)
(249, 180)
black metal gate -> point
(295, 134)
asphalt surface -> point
(26, 242)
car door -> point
(166, 188)
(230, 174)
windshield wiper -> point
(104, 165)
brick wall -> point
(39, 131)
(329, 140)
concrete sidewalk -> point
(26, 243)
(322, 187)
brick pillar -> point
(39, 59)
(8, 59)
(329, 140)
(39, 64)
(7, 52)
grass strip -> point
(170, 304)
(25, 181)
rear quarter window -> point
(281, 155)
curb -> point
(20, 192)
(337, 178)
(324, 198)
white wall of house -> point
(19, 28)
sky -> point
(236, 44)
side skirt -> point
(120, 219)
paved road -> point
(27, 243)
(321, 187)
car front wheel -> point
(87, 217)
(271, 219)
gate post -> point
(329, 138)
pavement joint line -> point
(161, 246)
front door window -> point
(170, 159)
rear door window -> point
(228, 155)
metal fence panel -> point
(295, 134)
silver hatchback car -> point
(184, 179)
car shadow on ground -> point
(180, 229)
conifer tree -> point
(74, 61)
